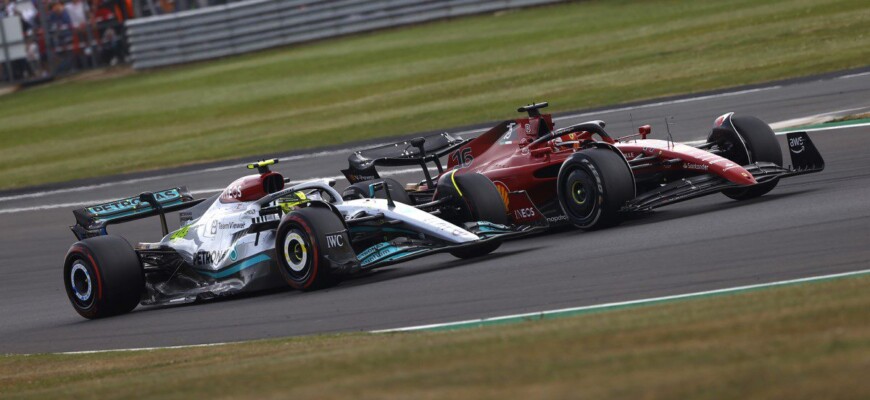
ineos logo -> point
(234, 192)
(524, 213)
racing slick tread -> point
(480, 201)
(608, 183)
(312, 224)
(117, 277)
(762, 146)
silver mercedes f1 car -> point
(257, 234)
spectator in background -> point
(78, 13)
(79, 16)
(59, 25)
(34, 58)
(112, 50)
(58, 18)
(8, 9)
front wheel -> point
(475, 199)
(477, 250)
(300, 245)
(592, 186)
(751, 140)
(103, 277)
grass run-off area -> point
(809, 341)
(428, 77)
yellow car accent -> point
(290, 202)
(453, 179)
(180, 234)
(260, 164)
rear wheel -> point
(299, 243)
(760, 144)
(475, 198)
(103, 277)
(592, 186)
(362, 190)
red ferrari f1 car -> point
(583, 176)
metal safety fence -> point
(41, 39)
(243, 27)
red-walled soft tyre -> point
(299, 242)
(103, 277)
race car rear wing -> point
(92, 221)
(417, 151)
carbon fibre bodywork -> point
(526, 155)
(227, 244)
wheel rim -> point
(81, 283)
(580, 193)
(296, 254)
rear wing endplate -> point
(92, 221)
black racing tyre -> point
(103, 276)
(299, 242)
(761, 145)
(592, 186)
(475, 199)
(361, 190)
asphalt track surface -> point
(809, 225)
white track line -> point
(854, 75)
(348, 150)
(541, 314)
(194, 192)
(177, 174)
(780, 133)
(814, 119)
(385, 173)
(669, 102)
(397, 172)
(534, 315)
(824, 128)
(142, 349)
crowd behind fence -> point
(43, 39)
(48, 38)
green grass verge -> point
(809, 341)
(420, 78)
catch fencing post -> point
(8, 73)
(49, 50)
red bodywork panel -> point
(692, 159)
(504, 156)
(251, 187)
